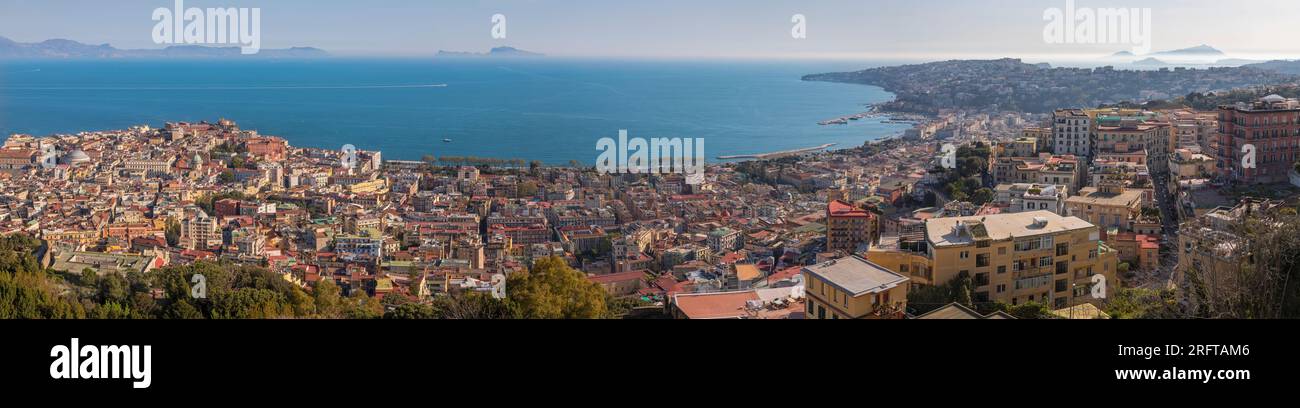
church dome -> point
(75, 157)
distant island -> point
(495, 52)
(61, 48)
(1192, 56)
(1011, 85)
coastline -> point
(409, 123)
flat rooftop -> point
(941, 231)
(855, 275)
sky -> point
(865, 29)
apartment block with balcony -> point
(1014, 258)
(1270, 124)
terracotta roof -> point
(719, 305)
(839, 208)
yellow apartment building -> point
(854, 288)
(1013, 258)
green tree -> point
(553, 290)
(328, 300)
(1031, 310)
(362, 306)
(173, 232)
(410, 311)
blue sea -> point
(547, 109)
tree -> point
(362, 306)
(527, 189)
(981, 196)
(410, 311)
(472, 305)
(1139, 303)
(88, 277)
(173, 232)
(553, 290)
(1031, 310)
(327, 298)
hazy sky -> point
(682, 28)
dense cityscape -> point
(1080, 213)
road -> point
(1169, 216)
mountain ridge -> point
(65, 48)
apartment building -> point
(849, 227)
(1042, 137)
(1270, 124)
(1109, 205)
(1071, 132)
(1014, 258)
(854, 288)
(1043, 169)
(1131, 135)
(1022, 197)
(200, 231)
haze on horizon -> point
(862, 29)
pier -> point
(764, 156)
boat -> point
(446, 140)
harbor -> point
(765, 156)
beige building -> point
(1013, 258)
(200, 231)
(854, 288)
(1110, 205)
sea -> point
(549, 109)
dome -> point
(1273, 98)
(75, 157)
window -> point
(1062, 267)
(1002, 250)
(1062, 249)
(981, 260)
(965, 254)
(1001, 288)
(1061, 285)
(1044, 261)
(821, 312)
(1002, 269)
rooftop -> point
(855, 275)
(1091, 196)
(717, 305)
(943, 231)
